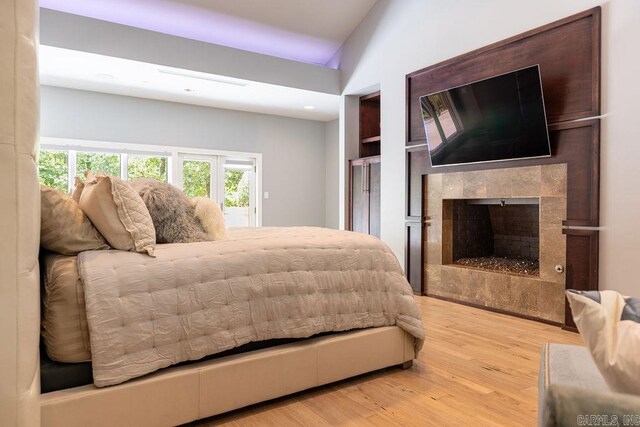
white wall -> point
(398, 37)
(331, 179)
(293, 150)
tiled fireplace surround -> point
(539, 297)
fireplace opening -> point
(494, 234)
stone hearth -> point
(540, 296)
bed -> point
(169, 396)
(204, 328)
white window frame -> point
(253, 192)
(213, 165)
(175, 155)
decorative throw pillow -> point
(64, 228)
(211, 217)
(64, 319)
(119, 214)
(171, 212)
(77, 190)
(610, 326)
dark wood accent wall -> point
(568, 53)
(370, 125)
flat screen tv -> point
(496, 119)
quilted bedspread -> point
(198, 299)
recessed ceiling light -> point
(189, 90)
(104, 76)
(309, 107)
(145, 81)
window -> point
(196, 178)
(53, 169)
(141, 166)
(97, 162)
(237, 194)
(230, 178)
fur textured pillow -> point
(211, 217)
(171, 211)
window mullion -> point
(178, 170)
(124, 166)
(71, 168)
(213, 190)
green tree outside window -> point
(53, 168)
(98, 162)
(147, 167)
(196, 178)
(236, 188)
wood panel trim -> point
(577, 265)
(595, 13)
(370, 95)
(420, 226)
(594, 171)
(588, 199)
(589, 108)
(408, 187)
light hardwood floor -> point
(476, 368)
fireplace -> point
(494, 239)
(494, 234)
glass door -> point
(198, 177)
(230, 181)
(239, 190)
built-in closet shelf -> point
(371, 139)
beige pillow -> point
(211, 217)
(64, 319)
(119, 213)
(64, 228)
(610, 326)
(77, 189)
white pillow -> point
(211, 217)
(610, 326)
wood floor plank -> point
(476, 368)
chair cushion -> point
(569, 406)
(568, 366)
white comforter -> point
(198, 299)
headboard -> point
(19, 215)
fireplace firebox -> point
(494, 234)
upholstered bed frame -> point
(171, 396)
(182, 394)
